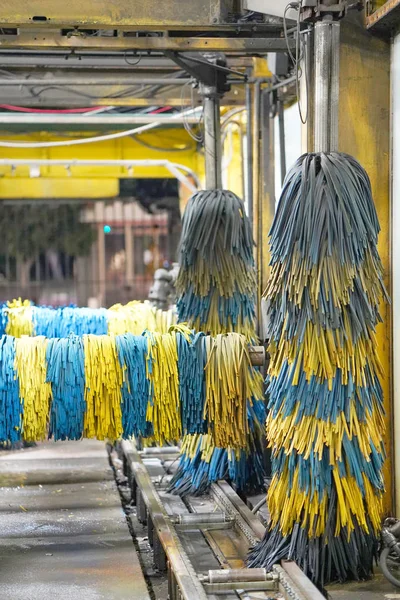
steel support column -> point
(282, 142)
(249, 161)
(327, 43)
(212, 137)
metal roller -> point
(257, 355)
(148, 452)
(232, 575)
(198, 518)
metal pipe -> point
(256, 166)
(232, 575)
(257, 355)
(212, 137)
(201, 518)
(148, 452)
(249, 162)
(326, 84)
(306, 99)
(131, 81)
(322, 52)
(334, 88)
(117, 120)
(97, 81)
(282, 144)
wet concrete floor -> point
(63, 534)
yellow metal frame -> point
(382, 10)
(91, 181)
(116, 14)
(79, 40)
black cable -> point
(130, 63)
(157, 148)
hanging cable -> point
(298, 57)
(90, 140)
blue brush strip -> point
(132, 352)
(315, 399)
(3, 319)
(192, 358)
(65, 372)
(315, 474)
(61, 322)
(240, 307)
(11, 408)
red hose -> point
(51, 111)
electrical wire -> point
(91, 140)
(160, 148)
(298, 57)
(131, 64)
(199, 138)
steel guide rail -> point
(229, 513)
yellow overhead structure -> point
(68, 181)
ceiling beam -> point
(385, 19)
(146, 15)
(228, 45)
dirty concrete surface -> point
(63, 533)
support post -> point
(249, 162)
(256, 171)
(212, 137)
(101, 246)
(282, 143)
(326, 117)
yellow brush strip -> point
(322, 352)
(312, 435)
(288, 505)
(296, 278)
(136, 317)
(103, 381)
(164, 410)
(234, 275)
(230, 383)
(189, 445)
(213, 326)
(19, 318)
(35, 393)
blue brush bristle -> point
(65, 372)
(11, 408)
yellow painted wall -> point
(92, 182)
(364, 132)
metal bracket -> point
(315, 10)
(211, 74)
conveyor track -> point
(203, 542)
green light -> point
(107, 229)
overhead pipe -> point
(95, 119)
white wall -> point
(292, 142)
